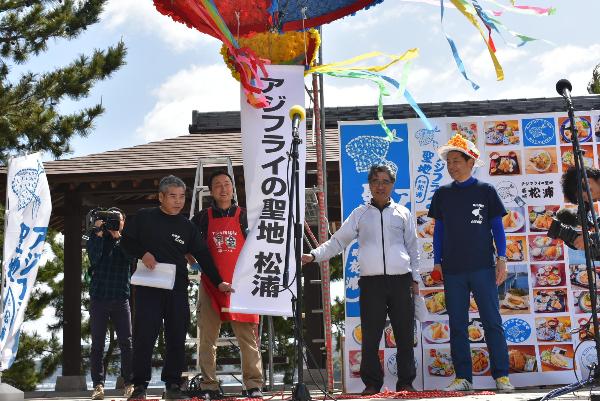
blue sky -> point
(172, 70)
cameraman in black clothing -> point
(569, 187)
(109, 296)
(162, 234)
(569, 184)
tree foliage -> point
(594, 84)
(26, 371)
(30, 119)
(338, 311)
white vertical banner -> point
(258, 279)
(28, 211)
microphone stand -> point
(300, 391)
(589, 243)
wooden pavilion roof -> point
(173, 154)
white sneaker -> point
(503, 384)
(459, 385)
(128, 390)
(98, 393)
(254, 393)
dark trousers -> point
(483, 285)
(153, 307)
(391, 296)
(118, 312)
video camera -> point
(563, 227)
(110, 218)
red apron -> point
(225, 241)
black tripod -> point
(564, 87)
(300, 392)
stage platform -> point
(156, 394)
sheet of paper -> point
(162, 276)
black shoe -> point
(139, 393)
(370, 390)
(254, 393)
(405, 387)
(173, 392)
(211, 394)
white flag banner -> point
(28, 210)
(258, 279)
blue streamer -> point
(493, 23)
(411, 101)
(489, 22)
(457, 59)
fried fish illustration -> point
(24, 184)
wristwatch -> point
(502, 258)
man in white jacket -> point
(389, 276)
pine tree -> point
(30, 121)
(29, 116)
(25, 373)
(594, 84)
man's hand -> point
(438, 268)
(500, 271)
(149, 261)
(578, 243)
(225, 287)
(115, 234)
(190, 259)
(307, 258)
(98, 224)
(415, 288)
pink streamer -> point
(538, 10)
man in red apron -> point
(223, 226)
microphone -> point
(297, 114)
(564, 88)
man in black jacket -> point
(162, 234)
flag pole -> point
(4, 253)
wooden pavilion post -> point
(72, 378)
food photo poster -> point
(544, 303)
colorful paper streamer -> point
(469, 12)
(344, 69)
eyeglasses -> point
(380, 182)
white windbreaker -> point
(387, 241)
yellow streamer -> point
(469, 15)
(344, 65)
